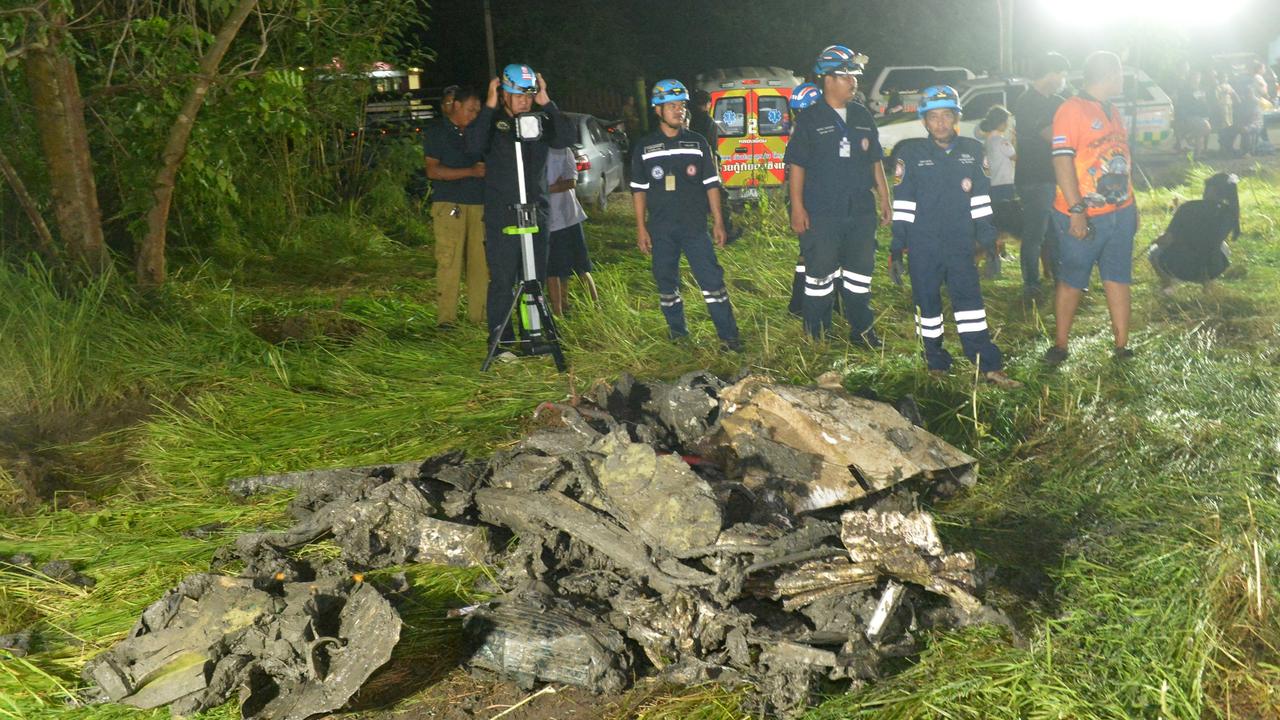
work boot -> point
(733, 345)
(1001, 380)
(867, 339)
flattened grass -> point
(1130, 510)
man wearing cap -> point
(492, 136)
(674, 184)
(834, 163)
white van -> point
(908, 81)
(1144, 105)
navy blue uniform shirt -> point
(943, 198)
(492, 136)
(674, 174)
(836, 186)
(443, 141)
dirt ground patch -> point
(40, 460)
(306, 327)
(459, 696)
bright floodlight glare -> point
(1188, 13)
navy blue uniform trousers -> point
(695, 243)
(839, 256)
(929, 270)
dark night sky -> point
(614, 42)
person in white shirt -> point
(568, 254)
(1000, 155)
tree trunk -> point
(150, 258)
(44, 239)
(55, 95)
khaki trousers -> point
(459, 245)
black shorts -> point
(568, 253)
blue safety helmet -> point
(665, 91)
(519, 80)
(938, 97)
(805, 95)
(839, 60)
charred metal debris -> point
(755, 534)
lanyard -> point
(844, 128)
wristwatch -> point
(1077, 208)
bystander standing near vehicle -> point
(1094, 210)
(1034, 178)
(568, 254)
(457, 210)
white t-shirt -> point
(566, 211)
(1000, 154)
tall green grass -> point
(1130, 510)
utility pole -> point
(1004, 14)
(488, 39)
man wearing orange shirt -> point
(1094, 210)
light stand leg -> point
(537, 334)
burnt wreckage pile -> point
(754, 533)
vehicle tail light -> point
(583, 163)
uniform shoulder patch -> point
(899, 170)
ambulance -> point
(749, 107)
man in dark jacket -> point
(492, 136)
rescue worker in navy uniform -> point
(675, 181)
(941, 206)
(834, 163)
(492, 136)
(802, 96)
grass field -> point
(1130, 511)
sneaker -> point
(867, 339)
(1122, 354)
(678, 338)
(505, 356)
(445, 326)
(1055, 356)
(735, 345)
(1000, 380)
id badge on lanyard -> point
(846, 147)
